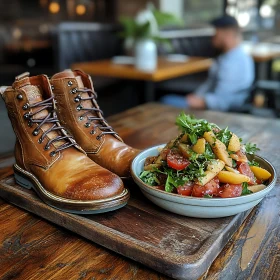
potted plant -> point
(142, 33)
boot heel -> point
(23, 181)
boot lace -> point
(51, 118)
(102, 124)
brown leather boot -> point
(78, 111)
(49, 160)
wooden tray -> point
(175, 245)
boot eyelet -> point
(26, 116)
(47, 148)
(52, 87)
(19, 97)
(77, 99)
(40, 140)
(98, 137)
(79, 108)
(35, 132)
(81, 118)
(70, 83)
(25, 106)
(30, 124)
(73, 91)
(87, 125)
(52, 154)
(92, 132)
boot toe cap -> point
(95, 187)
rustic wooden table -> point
(165, 70)
(32, 248)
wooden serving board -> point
(178, 246)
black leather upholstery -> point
(77, 42)
(191, 43)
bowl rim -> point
(199, 199)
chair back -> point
(189, 42)
(78, 42)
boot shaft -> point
(78, 110)
(29, 101)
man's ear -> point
(2, 90)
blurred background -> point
(47, 36)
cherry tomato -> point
(186, 189)
(211, 188)
(176, 161)
(258, 181)
(244, 169)
(230, 190)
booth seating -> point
(195, 42)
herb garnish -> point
(245, 189)
(193, 127)
(251, 148)
(224, 136)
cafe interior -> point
(48, 36)
(153, 64)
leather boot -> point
(49, 160)
(78, 111)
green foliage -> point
(251, 148)
(245, 190)
(253, 163)
(195, 128)
(150, 178)
(165, 19)
(224, 136)
(132, 29)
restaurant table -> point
(165, 70)
(32, 248)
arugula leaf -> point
(208, 154)
(253, 163)
(234, 164)
(208, 196)
(245, 190)
(150, 178)
(224, 136)
(195, 128)
(251, 148)
(169, 184)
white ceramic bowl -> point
(198, 207)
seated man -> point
(230, 76)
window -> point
(199, 13)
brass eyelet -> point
(70, 83)
(47, 148)
(40, 140)
(52, 154)
(73, 91)
(92, 132)
(81, 118)
(19, 97)
(79, 108)
(77, 99)
(26, 115)
(35, 132)
(25, 106)
(87, 125)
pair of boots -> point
(65, 150)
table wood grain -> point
(165, 69)
(32, 248)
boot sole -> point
(29, 181)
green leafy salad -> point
(205, 161)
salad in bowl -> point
(205, 161)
